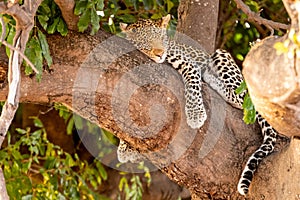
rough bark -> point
(199, 19)
(273, 78)
(67, 10)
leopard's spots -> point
(219, 70)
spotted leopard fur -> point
(218, 70)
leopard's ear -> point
(123, 27)
(165, 21)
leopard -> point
(218, 69)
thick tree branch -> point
(256, 18)
(273, 77)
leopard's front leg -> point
(194, 107)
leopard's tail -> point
(264, 150)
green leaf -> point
(101, 170)
(94, 21)
(135, 4)
(249, 110)
(15, 168)
(69, 160)
(148, 4)
(21, 131)
(44, 8)
(9, 39)
(247, 104)
(43, 19)
(170, 5)
(62, 27)
(27, 197)
(26, 166)
(123, 183)
(84, 20)
(127, 18)
(80, 7)
(37, 122)
(241, 88)
(52, 28)
(16, 154)
(78, 122)
(45, 48)
(34, 149)
(50, 163)
(100, 5)
(70, 126)
(35, 55)
(156, 16)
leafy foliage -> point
(37, 47)
(237, 32)
(248, 107)
(133, 189)
(50, 18)
(89, 14)
(37, 50)
(92, 12)
(35, 168)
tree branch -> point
(67, 10)
(273, 77)
(256, 18)
(13, 48)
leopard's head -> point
(149, 36)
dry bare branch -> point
(13, 48)
(3, 192)
(256, 18)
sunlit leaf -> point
(249, 110)
(84, 20)
(62, 27)
(9, 39)
(94, 21)
(37, 122)
(170, 5)
(241, 88)
(53, 27)
(45, 48)
(80, 7)
(127, 18)
(101, 170)
(100, 5)
(21, 131)
(148, 4)
(43, 19)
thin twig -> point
(14, 81)
(256, 18)
(22, 55)
(3, 28)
